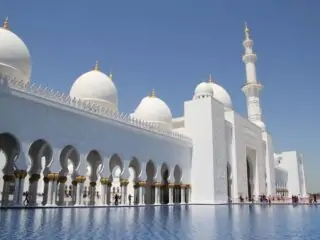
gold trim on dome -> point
(6, 23)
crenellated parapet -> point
(65, 100)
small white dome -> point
(96, 87)
(203, 89)
(15, 60)
(221, 95)
(153, 109)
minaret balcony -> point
(252, 88)
(249, 58)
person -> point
(116, 199)
(314, 198)
(26, 200)
(130, 198)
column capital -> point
(20, 174)
(62, 179)
(81, 179)
(53, 176)
(46, 179)
(158, 184)
(142, 184)
(104, 181)
(8, 178)
(93, 184)
(34, 177)
(171, 185)
(124, 182)
(74, 182)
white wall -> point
(204, 123)
(30, 118)
(246, 140)
(269, 161)
(289, 162)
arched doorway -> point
(94, 160)
(133, 186)
(39, 152)
(164, 193)
(9, 152)
(69, 160)
(116, 169)
(250, 178)
(150, 188)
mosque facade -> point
(79, 149)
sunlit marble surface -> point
(167, 222)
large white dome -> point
(153, 109)
(221, 94)
(96, 87)
(15, 60)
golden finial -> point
(6, 23)
(110, 75)
(246, 30)
(210, 78)
(96, 67)
(153, 93)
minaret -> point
(252, 87)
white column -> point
(74, 192)
(53, 193)
(33, 189)
(92, 193)
(109, 193)
(19, 186)
(183, 190)
(61, 184)
(141, 192)
(171, 193)
(104, 194)
(124, 191)
(157, 194)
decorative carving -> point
(60, 98)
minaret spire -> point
(246, 31)
(153, 93)
(6, 23)
(96, 67)
(252, 87)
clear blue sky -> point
(173, 45)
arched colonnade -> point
(96, 187)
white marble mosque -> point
(78, 148)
